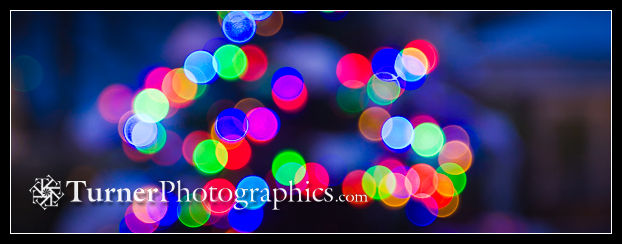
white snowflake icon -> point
(46, 192)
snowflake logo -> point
(46, 192)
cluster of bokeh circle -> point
(368, 88)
